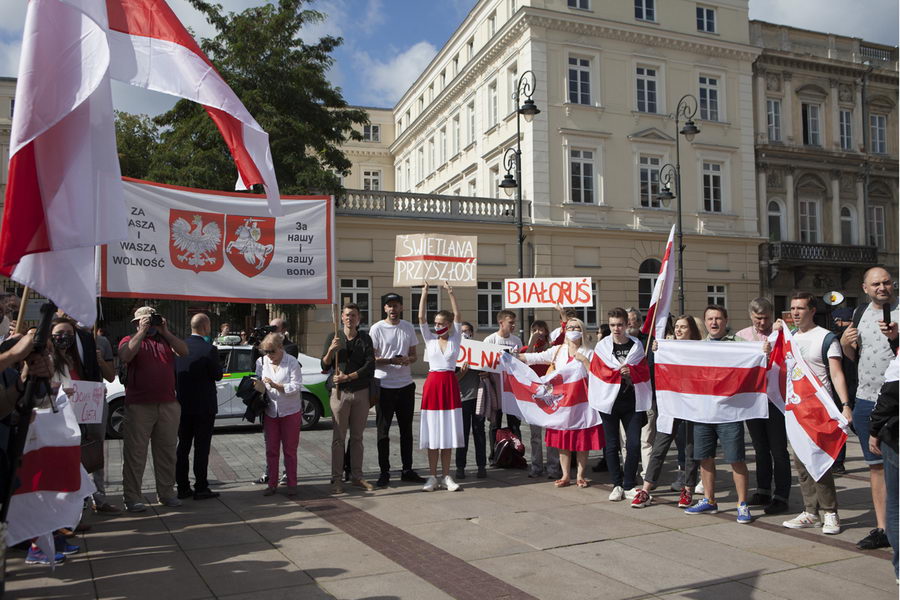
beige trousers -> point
(350, 410)
(155, 424)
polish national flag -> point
(661, 299)
(815, 427)
(557, 400)
(605, 379)
(52, 482)
(711, 382)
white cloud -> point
(388, 80)
(833, 17)
(9, 58)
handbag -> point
(92, 458)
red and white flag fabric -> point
(711, 382)
(658, 313)
(775, 378)
(153, 50)
(605, 379)
(557, 400)
(52, 482)
(815, 427)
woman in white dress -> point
(441, 426)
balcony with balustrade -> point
(796, 253)
(406, 205)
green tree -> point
(137, 140)
(282, 82)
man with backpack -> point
(865, 341)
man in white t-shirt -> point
(868, 343)
(811, 340)
(395, 342)
(504, 336)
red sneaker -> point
(686, 498)
(641, 499)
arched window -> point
(775, 220)
(648, 273)
(848, 226)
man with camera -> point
(152, 412)
(279, 326)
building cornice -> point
(787, 60)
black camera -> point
(156, 320)
(259, 333)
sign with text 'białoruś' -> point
(547, 292)
(436, 258)
(185, 243)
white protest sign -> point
(436, 258)
(87, 401)
(480, 356)
(547, 292)
(220, 246)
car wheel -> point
(312, 411)
(116, 419)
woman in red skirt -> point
(441, 427)
(579, 441)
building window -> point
(492, 25)
(513, 78)
(398, 183)
(582, 4)
(470, 132)
(649, 181)
(581, 171)
(455, 129)
(717, 294)
(421, 104)
(409, 181)
(846, 117)
(579, 80)
(877, 236)
(431, 156)
(420, 164)
(809, 221)
(775, 222)
(471, 188)
(648, 273)
(712, 187)
(443, 79)
(848, 226)
(878, 129)
(494, 179)
(432, 301)
(454, 66)
(470, 49)
(645, 10)
(706, 19)
(646, 89)
(357, 291)
(490, 302)
(811, 124)
(709, 98)
(372, 180)
(372, 133)
(442, 146)
(588, 314)
(493, 115)
(773, 119)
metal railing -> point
(880, 54)
(822, 253)
(426, 206)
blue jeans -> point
(891, 483)
(632, 422)
(861, 413)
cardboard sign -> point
(547, 292)
(87, 401)
(480, 356)
(436, 258)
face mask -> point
(467, 335)
(440, 330)
(63, 342)
(573, 336)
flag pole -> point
(20, 319)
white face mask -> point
(573, 336)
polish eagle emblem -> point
(195, 244)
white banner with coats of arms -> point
(185, 243)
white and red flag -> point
(557, 400)
(658, 313)
(605, 378)
(64, 191)
(52, 482)
(775, 378)
(711, 382)
(815, 427)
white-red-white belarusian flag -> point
(711, 382)
(605, 378)
(775, 378)
(658, 313)
(64, 191)
(815, 427)
(557, 400)
(52, 482)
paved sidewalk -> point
(506, 536)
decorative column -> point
(762, 197)
(835, 206)
(790, 204)
(858, 124)
(762, 130)
(861, 215)
(835, 116)
(787, 117)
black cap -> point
(392, 297)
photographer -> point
(279, 326)
(152, 412)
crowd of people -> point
(171, 406)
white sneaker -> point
(449, 484)
(699, 489)
(804, 520)
(430, 485)
(832, 525)
(630, 494)
(617, 494)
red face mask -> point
(441, 330)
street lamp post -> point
(512, 161)
(687, 108)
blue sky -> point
(387, 43)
